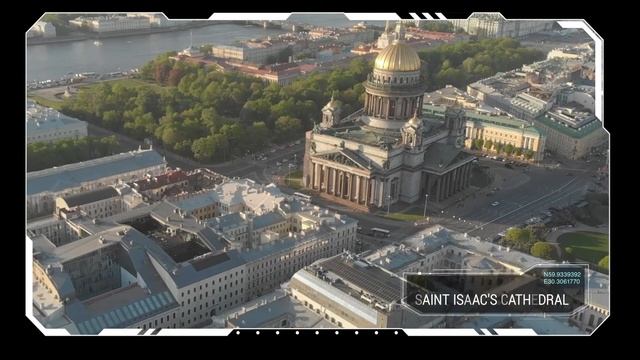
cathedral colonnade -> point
(342, 183)
(441, 187)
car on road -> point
(569, 174)
(508, 166)
(278, 163)
(297, 142)
(495, 203)
(273, 150)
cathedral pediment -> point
(346, 157)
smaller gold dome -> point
(398, 57)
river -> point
(52, 61)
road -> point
(486, 216)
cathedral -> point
(387, 152)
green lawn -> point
(46, 102)
(404, 217)
(587, 246)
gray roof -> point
(265, 313)
(90, 196)
(73, 175)
(267, 219)
(443, 154)
(128, 313)
(226, 221)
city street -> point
(486, 216)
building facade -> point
(48, 125)
(494, 25)
(253, 52)
(106, 24)
(386, 152)
(44, 186)
(571, 133)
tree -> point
(604, 263)
(568, 251)
(488, 144)
(508, 149)
(480, 143)
(517, 234)
(287, 128)
(518, 151)
(543, 250)
(528, 154)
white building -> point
(48, 125)
(189, 266)
(494, 25)
(44, 186)
(251, 51)
(112, 23)
(42, 29)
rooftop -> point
(556, 122)
(73, 175)
(358, 275)
(155, 182)
(393, 258)
(41, 119)
(270, 307)
(90, 196)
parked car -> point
(495, 203)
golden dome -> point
(398, 57)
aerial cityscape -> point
(296, 174)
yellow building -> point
(496, 129)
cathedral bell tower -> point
(454, 119)
(412, 132)
(331, 113)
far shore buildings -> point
(250, 51)
(112, 23)
(44, 186)
(166, 265)
(386, 152)
(48, 125)
(494, 25)
(42, 29)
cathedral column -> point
(325, 179)
(457, 179)
(386, 108)
(444, 186)
(313, 175)
(333, 181)
(367, 186)
(454, 181)
(438, 188)
(316, 175)
(468, 177)
(366, 102)
(358, 190)
(349, 186)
